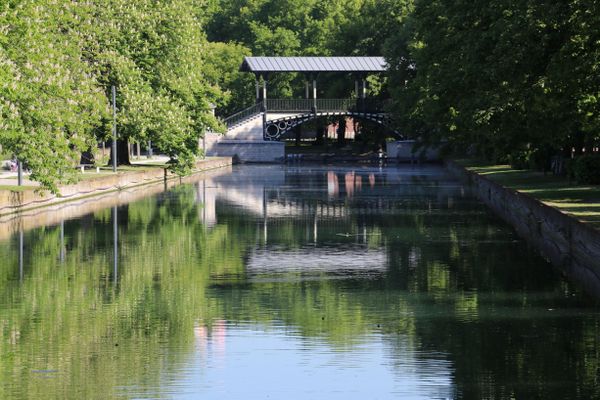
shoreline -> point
(16, 202)
(566, 242)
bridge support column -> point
(314, 92)
(261, 93)
(360, 88)
(264, 123)
(261, 89)
(257, 90)
(363, 89)
(363, 94)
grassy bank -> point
(579, 201)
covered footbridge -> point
(254, 134)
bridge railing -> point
(336, 104)
(292, 105)
(240, 116)
(307, 105)
(331, 105)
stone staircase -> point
(244, 139)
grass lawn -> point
(90, 174)
(580, 201)
(126, 168)
(17, 188)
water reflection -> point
(21, 255)
(115, 219)
(62, 242)
(301, 282)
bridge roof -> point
(313, 64)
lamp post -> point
(114, 129)
(19, 172)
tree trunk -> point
(320, 135)
(341, 131)
(122, 153)
(87, 157)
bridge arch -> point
(277, 127)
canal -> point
(289, 282)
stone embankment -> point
(566, 242)
(19, 201)
(53, 214)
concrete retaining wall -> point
(402, 150)
(249, 150)
(566, 242)
(12, 202)
(53, 214)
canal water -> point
(289, 283)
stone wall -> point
(245, 143)
(12, 201)
(566, 242)
(250, 150)
(53, 214)
(402, 150)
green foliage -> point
(222, 65)
(499, 76)
(502, 79)
(521, 159)
(49, 98)
(587, 169)
(59, 59)
(530, 157)
(155, 56)
(307, 28)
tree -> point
(222, 65)
(509, 81)
(341, 130)
(154, 54)
(58, 61)
(281, 28)
(50, 103)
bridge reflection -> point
(328, 221)
(273, 193)
(337, 205)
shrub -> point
(521, 159)
(570, 168)
(587, 169)
(534, 157)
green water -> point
(290, 283)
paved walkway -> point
(10, 178)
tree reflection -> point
(451, 282)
